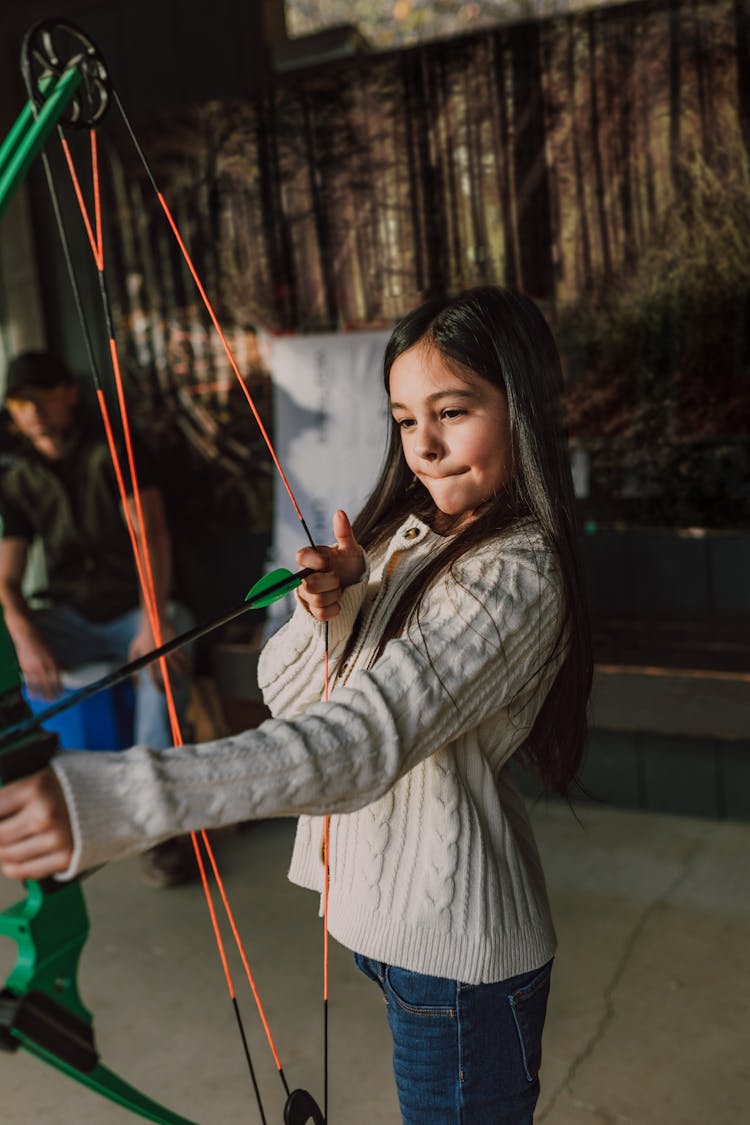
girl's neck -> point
(446, 525)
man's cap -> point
(35, 370)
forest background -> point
(597, 159)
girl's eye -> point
(453, 412)
(404, 423)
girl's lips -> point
(443, 476)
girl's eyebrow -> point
(437, 395)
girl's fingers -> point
(35, 833)
(12, 799)
(315, 558)
(31, 847)
(321, 583)
(28, 851)
(336, 568)
(40, 867)
(32, 806)
(321, 595)
(323, 601)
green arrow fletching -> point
(271, 587)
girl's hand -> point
(36, 839)
(337, 567)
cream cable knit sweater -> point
(433, 863)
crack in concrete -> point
(608, 1013)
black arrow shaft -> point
(140, 662)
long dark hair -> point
(501, 335)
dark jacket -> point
(73, 506)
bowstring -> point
(269, 444)
(142, 560)
(94, 369)
(147, 582)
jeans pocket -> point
(529, 1007)
(373, 969)
(420, 995)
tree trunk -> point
(586, 280)
(472, 100)
(675, 101)
(742, 31)
(532, 198)
(315, 175)
(450, 197)
(626, 55)
(596, 153)
(504, 162)
(275, 231)
(701, 65)
(647, 104)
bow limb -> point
(40, 1006)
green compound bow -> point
(40, 1006)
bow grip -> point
(20, 757)
(43, 1022)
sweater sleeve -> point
(291, 671)
(485, 633)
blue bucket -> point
(103, 722)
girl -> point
(458, 639)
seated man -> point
(59, 485)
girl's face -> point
(455, 432)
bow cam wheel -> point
(51, 48)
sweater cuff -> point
(75, 862)
(104, 824)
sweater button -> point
(412, 533)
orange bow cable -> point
(145, 573)
(137, 531)
(95, 241)
(202, 837)
(277, 463)
(233, 363)
(224, 963)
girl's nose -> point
(428, 446)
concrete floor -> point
(649, 1021)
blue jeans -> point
(464, 1054)
(74, 641)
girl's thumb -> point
(342, 529)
